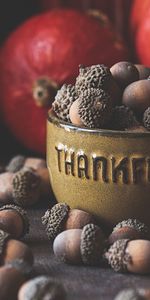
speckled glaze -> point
(103, 172)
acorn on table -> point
(61, 217)
(129, 256)
(11, 249)
(80, 246)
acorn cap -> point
(20, 265)
(22, 213)
(116, 256)
(95, 108)
(54, 219)
(92, 77)
(91, 246)
(4, 237)
(133, 223)
(42, 287)
(123, 118)
(63, 101)
(129, 294)
(146, 118)
(15, 164)
(26, 187)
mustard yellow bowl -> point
(104, 172)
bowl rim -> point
(102, 132)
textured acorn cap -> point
(91, 246)
(116, 256)
(54, 219)
(15, 164)
(133, 223)
(95, 108)
(42, 287)
(63, 101)
(92, 77)
(22, 213)
(123, 118)
(26, 187)
(4, 237)
(146, 118)
(129, 294)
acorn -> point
(124, 73)
(26, 187)
(129, 294)
(61, 217)
(123, 118)
(137, 96)
(92, 109)
(144, 71)
(11, 279)
(11, 250)
(42, 287)
(63, 101)
(97, 77)
(129, 256)
(6, 188)
(45, 187)
(146, 118)
(14, 220)
(20, 161)
(128, 229)
(77, 246)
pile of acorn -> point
(117, 98)
(22, 183)
(78, 239)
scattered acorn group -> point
(115, 98)
(78, 239)
(24, 182)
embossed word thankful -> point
(126, 170)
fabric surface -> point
(80, 282)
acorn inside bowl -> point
(104, 172)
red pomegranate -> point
(142, 40)
(140, 27)
(43, 54)
(138, 12)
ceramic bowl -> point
(104, 172)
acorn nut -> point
(124, 73)
(144, 71)
(63, 101)
(137, 96)
(20, 161)
(11, 280)
(6, 188)
(76, 246)
(123, 118)
(26, 187)
(61, 217)
(11, 250)
(97, 77)
(132, 256)
(146, 118)
(92, 109)
(128, 229)
(14, 220)
(42, 287)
